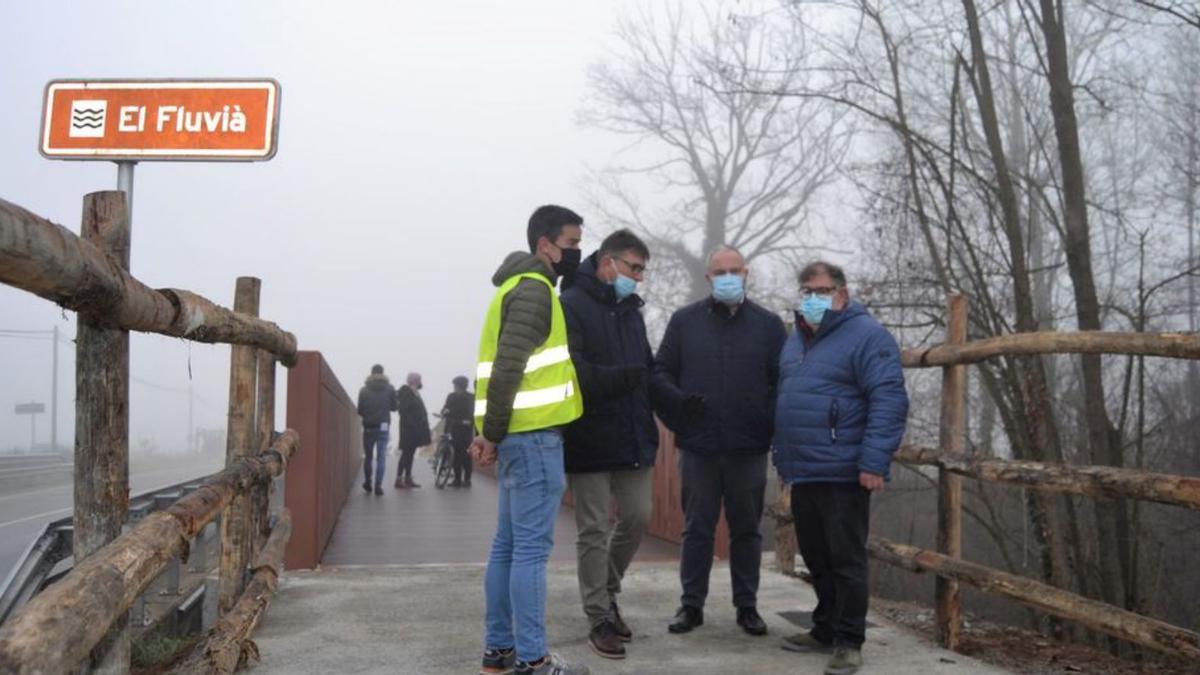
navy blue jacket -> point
(842, 403)
(608, 345)
(732, 360)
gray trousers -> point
(605, 550)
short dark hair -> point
(622, 241)
(460, 381)
(376, 369)
(548, 221)
(821, 267)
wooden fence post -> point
(102, 419)
(265, 421)
(240, 442)
(952, 440)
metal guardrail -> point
(49, 556)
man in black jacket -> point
(610, 451)
(376, 401)
(414, 428)
(458, 416)
(718, 367)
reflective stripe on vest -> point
(548, 395)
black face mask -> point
(566, 267)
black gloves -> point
(693, 404)
(633, 376)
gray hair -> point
(821, 267)
(722, 248)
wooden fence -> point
(952, 466)
(80, 622)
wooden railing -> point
(1096, 481)
(80, 622)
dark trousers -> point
(404, 466)
(707, 483)
(463, 465)
(831, 529)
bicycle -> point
(443, 460)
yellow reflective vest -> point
(549, 394)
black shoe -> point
(686, 619)
(456, 483)
(750, 621)
(624, 634)
(604, 641)
(498, 661)
(367, 488)
(378, 490)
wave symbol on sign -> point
(87, 119)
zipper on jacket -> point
(833, 419)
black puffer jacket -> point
(612, 359)
(732, 360)
(414, 419)
(376, 401)
(524, 326)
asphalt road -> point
(24, 513)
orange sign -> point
(210, 120)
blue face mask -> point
(728, 288)
(813, 308)
(624, 287)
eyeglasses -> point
(636, 269)
(824, 290)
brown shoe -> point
(409, 482)
(604, 641)
(400, 484)
(624, 634)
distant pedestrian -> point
(526, 391)
(414, 428)
(376, 401)
(840, 416)
(458, 416)
(610, 451)
(719, 364)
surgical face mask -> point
(728, 288)
(623, 286)
(813, 308)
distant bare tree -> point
(726, 165)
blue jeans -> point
(530, 474)
(376, 440)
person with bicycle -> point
(458, 417)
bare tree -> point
(729, 162)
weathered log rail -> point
(60, 625)
(1093, 481)
(50, 261)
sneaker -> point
(604, 641)
(498, 661)
(624, 634)
(805, 643)
(552, 664)
(686, 619)
(750, 621)
(845, 661)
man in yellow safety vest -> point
(526, 390)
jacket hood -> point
(377, 381)
(588, 281)
(519, 262)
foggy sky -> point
(415, 139)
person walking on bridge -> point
(414, 429)
(459, 417)
(610, 451)
(840, 416)
(719, 366)
(376, 401)
(526, 390)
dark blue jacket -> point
(842, 404)
(732, 359)
(613, 360)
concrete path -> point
(428, 619)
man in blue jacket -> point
(839, 418)
(717, 369)
(610, 450)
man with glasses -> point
(840, 416)
(716, 372)
(611, 449)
